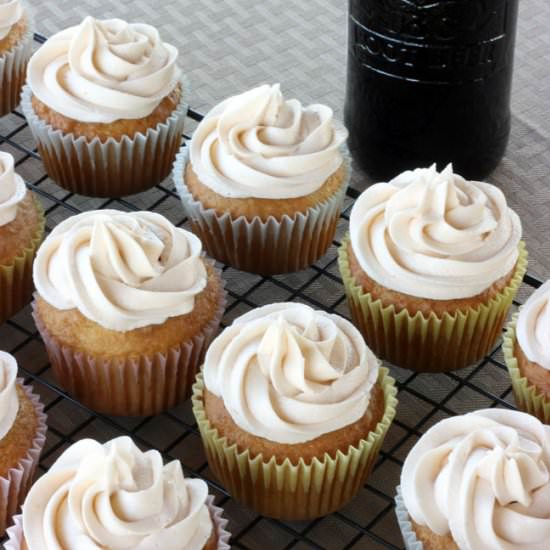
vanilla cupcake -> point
(22, 438)
(431, 267)
(263, 180)
(105, 101)
(126, 305)
(480, 481)
(114, 496)
(16, 35)
(293, 410)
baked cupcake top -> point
(289, 373)
(116, 497)
(435, 235)
(11, 11)
(121, 270)
(102, 71)
(533, 327)
(9, 403)
(12, 189)
(259, 145)
(483, 477)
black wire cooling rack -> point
(366, 523)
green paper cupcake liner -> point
(528, 397)
(293, 491)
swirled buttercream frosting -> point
(11, 12)
(102, 71)
(259, 145)
(435, 235)
(484, 478)
(121, 270)
(115, 497)
(12, 189)
(9, 403)
(533, 327)
(289, 373)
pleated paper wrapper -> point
(16, 285)
(144, 385)
(15, 486)
(16, 536)
(264, 247)
(403, 519)
(430, 344)
(293, 491)
(528, 397)
(112, 168)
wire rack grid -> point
(368, 521)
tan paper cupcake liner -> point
(15, 486)
(293, 491)
(528, 397)
(405, 524)
(16, 284)
(113, 168)
(144, 385)
(13, 67)
(15, 533)
(265, 247)
(430, 344)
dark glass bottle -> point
(429, 81)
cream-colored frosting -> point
(9, 402)
(12, 189)
(435, 235)
(289, 373)
(533, 327)
(259, 145)
(116, 497)
(11, 12)
(484, 478)
(102, 71)
(121, 270)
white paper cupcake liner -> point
(15, 486)
(113, 168)
(15, 534)
(265, 247)
(405, 524)
(13, 67)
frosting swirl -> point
(435, 235)
(121, 270)
(12, 189)
(484, 478)
(9, 402)
(533, 327)
(102, 71)
(290, 374)
(116, 497)
(11, 11)
(260, 145)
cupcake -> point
(480, 481)
(21, 230)
(126, 306)
(105, 101)
(292, 408)
(16, 35)
(115, 497)
(430, 267)
(22, 437)
(263, 181)
(527, 354)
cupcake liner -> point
(16, 284)
(264, 247)
(528, 397)
(293, 491)
(13, 67)
(430, 344)
(113, 168)
(15, 486)
(403, 519)
(15, 533)
(144, 385)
